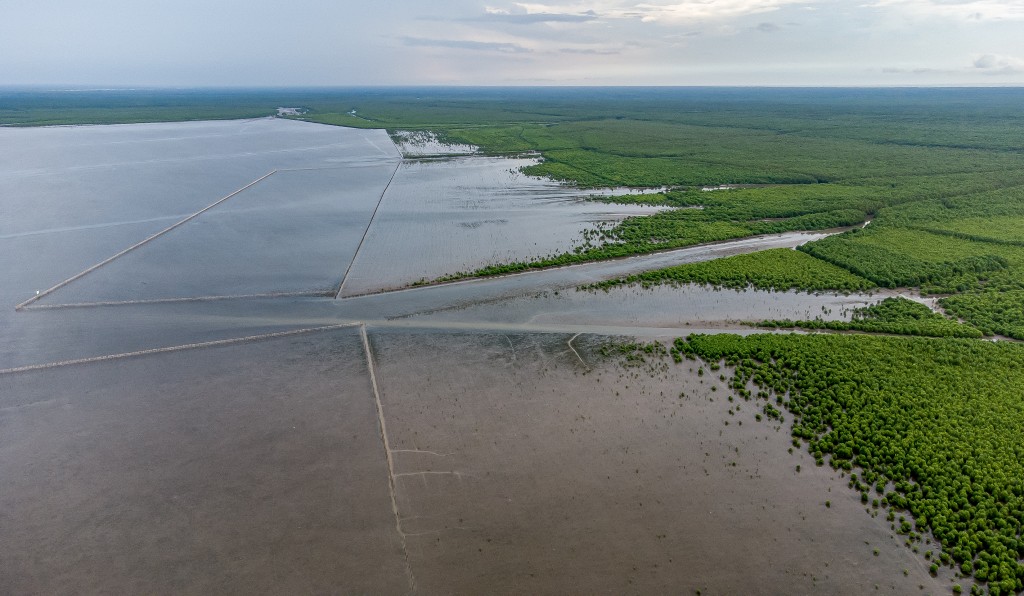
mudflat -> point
(520, 463)
(225, 424)
(248, 468)
(524, 464)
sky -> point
(228, 43)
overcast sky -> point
(496, 42)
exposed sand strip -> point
(569, 343)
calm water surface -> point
(75, 196)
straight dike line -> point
(366, 232)
(141, 243)
(193, 346)
(301, 294)
(388, 453)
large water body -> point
(298, 210)
(188, 396)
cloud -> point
(682, 36)
(993, 64)
(590, 51)
(720, 9)
(768, 28)
(531, 18)
(916, 71)
(688, 10)
(964, 10)
(981, 64)
(986, 61)
(461, 44)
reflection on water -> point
(293, 232)
(441, 217)
(421, 143)
(242, 440)
(74, 196)
(108, 188)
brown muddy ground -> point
(518, 466)
(254, 468)
(520, 469)
(512, 462)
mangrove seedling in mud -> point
(934, 423)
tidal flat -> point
(202, 413)
(518, 461)
(446, 216)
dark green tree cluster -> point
(930, 429)
(898, 267)
(775, 269)
(993, 312)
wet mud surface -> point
(523, 466)
(248, 468)
(187, 440)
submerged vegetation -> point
(897, 316)
(928, 429)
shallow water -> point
(295, 231)
(423, 143)
(190, 443)
(265, 466)
(72, 197)
(442, 217)
(535, 302)
(658, 307)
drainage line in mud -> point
(193, 346)
(387, 452)
(366, 232)
(143, 242)
(577, 353)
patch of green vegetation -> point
(633, 352)
(908, 258)
(645, 153)
(933, 423)
(902, 206)
(775, 269)
(1006, 230)
(897, 316)
(990, 311)
(677, 228)
(48, 108)
(939, 171)
(969, 245)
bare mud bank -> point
(246, 468)
(525, 464)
